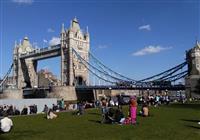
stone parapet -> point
(192, 86)
(12, 94)
(68, 93)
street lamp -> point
(148, 92)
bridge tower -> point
(192, 81)
(24, 70)
(72, 71)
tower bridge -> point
(82, 71)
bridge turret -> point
(72, 71)
(192, 81)
(24, 69)
(25, 47)
(193, 58)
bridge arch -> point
(79, 80)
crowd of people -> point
(111, 109)
(12, 110)
(154, 100)
(112, 114)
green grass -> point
(174, 122)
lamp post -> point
(166, 91)
(148, 92)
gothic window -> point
(193, 61)
(197, 65)
(65, 66)
(79, 67)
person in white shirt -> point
(6, 124)
(51, 115)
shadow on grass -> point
(188, 120)
(18, 135)
(3, 137)
(93, 113)
(96, 121)
(185, 106)
(191, 126)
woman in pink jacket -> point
(133, 110)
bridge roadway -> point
(172, 88)
(43, 53)
(30, 91)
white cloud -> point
(150, 50)
(50, 30)
(54, 41)
(102, 46)
(45, 41)
(23, 1)
(145, 27)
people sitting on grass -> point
(51, 115)
(104, 109)
(62, 104)
(55, 108)
(46, 109)
(6, 124)
(113, 115)
(33, 109)
(109, 116)
(119, 116)
(81, 108)
(24, 111)
(145, 110)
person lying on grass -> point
(113, 116)
(51, 115)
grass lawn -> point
(174, 122)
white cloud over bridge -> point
(150, 50)
(54, 41)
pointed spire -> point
(75, 19)
(20, 42)
(198, 44)
(63, 28)
(70, 23)
(87, 30)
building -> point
(46, 79)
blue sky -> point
(136, 38)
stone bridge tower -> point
(72, 71)
(192, 81)
(24, 70)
